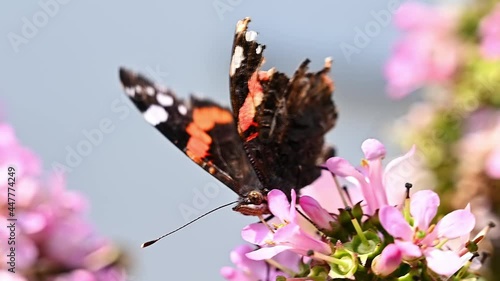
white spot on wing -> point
(182, 109)
(138, 89)
(238, 57)
(155, 115)
(250, 35)
(130, 91)
(164, 99)
(150, 90)
(259, 49)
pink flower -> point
(378, 186)
(289, 234)
(478, 149)
(428, 53)
(388, 261)
(254, 270)
(490, 34)
(420, 238)
(51, 229)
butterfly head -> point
(253, 204)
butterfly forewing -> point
(202, 129)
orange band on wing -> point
(204, 119)
(254, 98)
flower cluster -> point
(388, 234)
(457, 125)
(53, 240)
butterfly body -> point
(272, 138)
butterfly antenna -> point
(149, 243)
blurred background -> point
(59, 84)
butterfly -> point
(273, 138)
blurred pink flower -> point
(255, 270)
(478, 149)
(490, 34)
(429, 52)
(52, 234)
(420, 238)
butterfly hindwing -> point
(202, 129)
(280, 120)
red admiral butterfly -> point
(273, 138)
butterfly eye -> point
(255, 197)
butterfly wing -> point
(202, 129)
(281, 121)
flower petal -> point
(409, 250)
(455, 224)
(256, 233)
(300, 241)
(423, 207)
(341, 167)
(373, 149)
(443, 262)
(394, 223)
(315, 212)
(267, 252)
(325, 191)
(279, 204)
(493, 163)
(388, 261)
(396, 174)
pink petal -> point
(341, 167)
(409, 250)
(267, 252)
(493, 162)
(237, 255)
(300, 241)
(288, 259)
(397, 173)
(32, 222)
(373, 149)
(279, 204)
(443, 262)
(8, 276)
(7, 135)
(325, 191)
(388, 261)
(256, 233)
(423, 207)
(455, 224)
(375, 175)
(394, 223)
(246, 265)
(411, 15)
(315, 212)
(232, 274)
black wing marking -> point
(202, 129)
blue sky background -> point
(60, 82)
